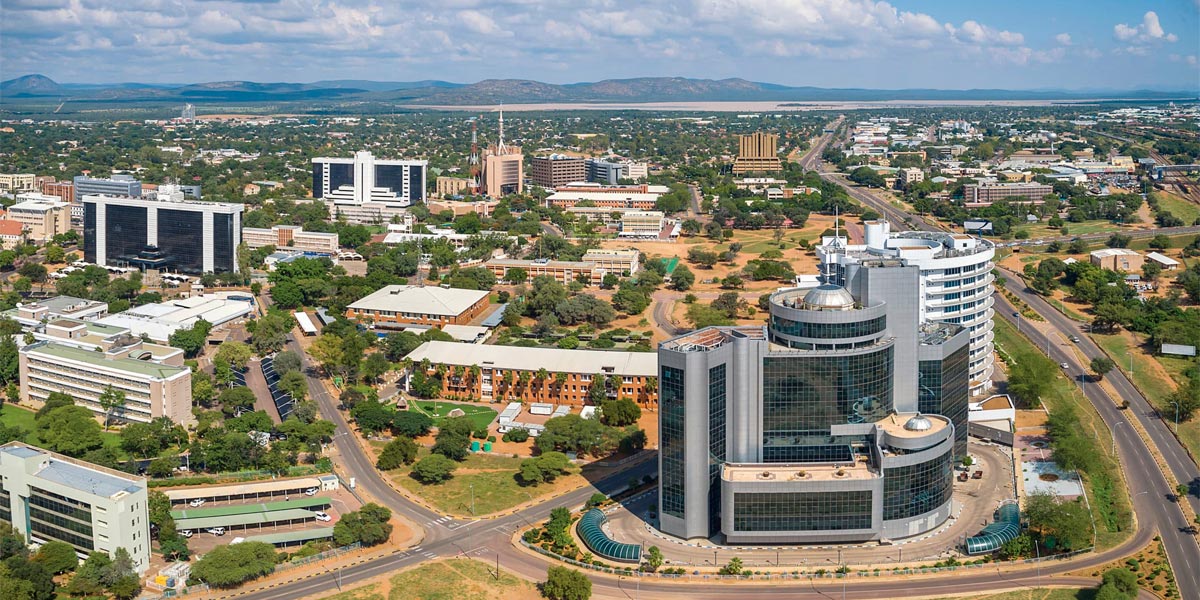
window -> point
(801, 511)
(671, 403)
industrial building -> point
(419, 305)
(757, 153)
(557, 169)
(187, 236)
(47, 497)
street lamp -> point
(1176, 403)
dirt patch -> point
(1031, 418)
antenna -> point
(500, 149)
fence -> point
(202, 587)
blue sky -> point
(1015, 44)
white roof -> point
(1162, 259)
(1114, 252)
(428, 300)
(160, 320)
(554, 360)
(464, 333)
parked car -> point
(187, 533)
(217, 530)
(321, 516)
(196, 502)
(310, 492)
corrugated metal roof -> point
(554, 360)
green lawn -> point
(491, 479)
(481, 416)
(1063, 392)
(11, 415)
(1042, 230)
(1179, 207)
(447, 580)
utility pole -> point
(497, 566)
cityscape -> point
(755, 299)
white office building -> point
(365, 179)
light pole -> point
(1130, 364)
(1176, 414)
(472, 487)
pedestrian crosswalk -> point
(447, 522)
(417, 550)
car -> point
(196, 502)
(187, 533)
(217, 530)
(1075, 339)
(309, 491)
(1063, 365)
(322, 516)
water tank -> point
(877, 233)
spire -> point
(500, 149)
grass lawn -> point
(446, 580)
(492, 480)
(1063, 392)
(481, 416)
(1041, 230)
(12, 415)
(1179, 207)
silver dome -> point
(829, 297)
(919, 423)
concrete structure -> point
(820, 426)
(557, 169)
(117, 185)
(364, 179)
(611, 173)
(419, 305)
(31, 314)
(42, 216)
(563, 271)
(757, 153)
(509, 373)
(482, 208)
(634, 197)
(12, 234)
(621, 262)
(984, 194)
(641, 223)
(50, 497)
(154, 379)
(1118, 259)
(63, 190)
(451, 186)
(159, 321)
(503, 171)
(13, 183)
(956, 281)
(291, 237)
(188, 236)
(910, 176)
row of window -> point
(828, 331)
(674, 445)
(89, 376)
(917, 489)
(801, 511)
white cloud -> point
(1149, 30)
(479, 22)
(1063, 39)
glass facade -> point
(124, 232)
(801, 511)
(89, 232)
(828, 331)
(224, 250)
(318, 179)
(716, 443)
(943, 388)
(917, 489)
(674, 444)
(180, 238)
(804, 395)
(60, 518)
(340, 174)
(391, 177)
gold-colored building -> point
(503, 170)
(757, 153)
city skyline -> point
(827, 43)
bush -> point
(434, 468)
(368, 526)
(228, 566)
(400, 451)
(566, 584)
(516, 435)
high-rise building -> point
(839, 421)
(42, 216)
(186, 236)
(365, 179)
(956, 274)
(757, 153)
(117, 185)
(503, 167)
(50, 497)
(557, 169)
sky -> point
(1012, 44)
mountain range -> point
(36, 89)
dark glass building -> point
(837, 422)
(365, 179)
(187, 236)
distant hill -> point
(30, 88)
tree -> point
(1101, 365)
(288, 361)
(9, 360)
(191, 339)
(620, 412)
(654, 559)
(451, 443)
(234, 398)
(410, 423)
(57, 557)
(236, 354)
(733, 567)
(55, 254)
(566, 584)
(287, 294)
(270, 333)
(400, 451)
(1124, 580)
(372, 416)
(70, 430)
(294, 384)
(546, 467)
(229, 565)
(375, 365)
(40, 579)
(682, 278)
(369, 526)
(111, 400)
(434, 468)
(328, 351)
(516, 275)
(1066, 521)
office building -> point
(641, 224)
(558, 169)
(452, 186)
(365, 180)
(956, 273)
(13, 183)
(63, 190)
(291, 237)
(503, 171)
(50, 497)
(1118, 259)
(621, 262)
(117, 185)
(32, 314)
(509, 373)
(419, 305)
(153, 377)
(563, 271)
(910, 176)
(635, 197)
(838, 421)
(42, 216)
(187, 236)
(607, 172)
(984, 194)
(757, 153)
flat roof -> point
(894, 425)
(74, 474)
(259, 518)
(464, 333)
(98, 359)
(303, 535)
(527, 263)
(238, 509)
(797, 472)
(160, 320)
(1114, 252)
(426, 299)
(554, 360)
(250, 487)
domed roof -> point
(829, 297)
(919, 423)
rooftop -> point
(420, 299)
(1105, 252)
(797, 471)
(895, 425)
(76, 474)
(712, 337)
(97, 359)
(554, 360)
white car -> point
(321, 516)
(196, 502)
(187, 533)
(310, 492)
(217, 530)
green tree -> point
(287, 361)
(369, 526)
(682, 278)
(733, 567)
(112, 400)
(236, 354)
(620, 412)
(410, 423)
(372, 416)
(234, 398)
(57, 557)
(229, 565)
(70, 430)
(566, 584)
(1101, 365)
(654, 559)
(400, 451)
(1124, 580)
(294, 384)
(9, 360)
(1066, 521)
(434, 468)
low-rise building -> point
(291, 237)
(1166, 262)
(17, 182)
(621, 262)
(563, 271)
(63, 190)
(641, 223)
(1118, 259)
(419, 305)
(32, 314)
(984, 194)
(43, 216)
(910, 176)
(637, 197)
(482, 208)
(159, 321)
(511, 373)
(50, 497)
(452, 186)
(12, 234)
